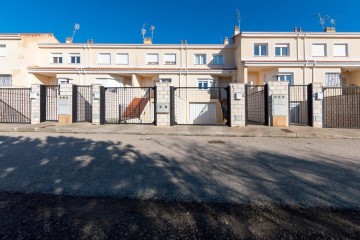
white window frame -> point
(216, 59)
(166, 59)
(117, 60)
(202, 81)
(76, 56)
(339, 80)
(341, 55)
(291, 82)
(201, 59)
(57, 56)
(104, 54)
(315, 54)
(3, 80)
(2, 50)
(261, 54)
(149, 61)
(165, 80)
(282, 46)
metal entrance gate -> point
(257, 104)
(123, 105)
(15, 105)
(300, 104)
(82, 103)
(49, 103)
(200, 106)
(341, 107)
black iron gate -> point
(49, 103)
(200, 106)
(15, 105)
(82, 103)
(257, 104)
(341, 107)
(124, 105)
(300, 104)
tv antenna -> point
(238, 17)
(322, 20)
(76, 27)
(152, 28)
(143, 31)
(332, 22)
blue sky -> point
(198, 21)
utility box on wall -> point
(64, 109)
(163, 107)
(279, 110)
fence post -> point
(35, 103)
(163, 99)
(96, 107)
(317, 106)
(65, 103)
(237, 109)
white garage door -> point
(202, 113)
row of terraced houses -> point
(273, 78)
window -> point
(56, 58)
(2, 50)
(200, 59)
(281, 50)
(104, 58)
(165, 80)
(74, 58)
(170, 59)
(5, 80)
(260, 49)
(152, 58)
(218, 59)
(285, 77)
(205, 83)
(340, 50)
(319, 50)
(122, 58)
(332, 80)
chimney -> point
(330, 29)
(226, 41)
(295, 29)
(236, 30)
(68, 40)
(147, 40)
(299, 29)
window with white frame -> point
(122, 58)
(319, 50)
(281, 50)
(104, 58)
(332, 79)
(2, 50)
(200, 59)
(5, 80)
(152, 58)
(205, 83)
(56, 58)
(340, 50)
(74, 58)
(170, 58)
(165, 80)
(218, 59)
(285, 77)
(260, 49)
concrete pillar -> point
(237, 104)
(163, 99)
(35, 103)
(278, 95)
(245, 75)
(96, 104)
(65, 103)
(317, 107)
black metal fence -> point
(82, 103)
(341, 107)
(200, 106)
(257, 104)
(300, 104)
(15, 105)
(49, 103)
(124, 105)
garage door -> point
(202, 113)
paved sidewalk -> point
(186, 130)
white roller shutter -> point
(340, 50)
(152, 58)
(2, 50)
(170, 58)
(319, 50)
(104, 58)
(122, 58)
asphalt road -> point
(295, 172)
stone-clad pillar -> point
(317, 106)
(35, 103)
(237, 104)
